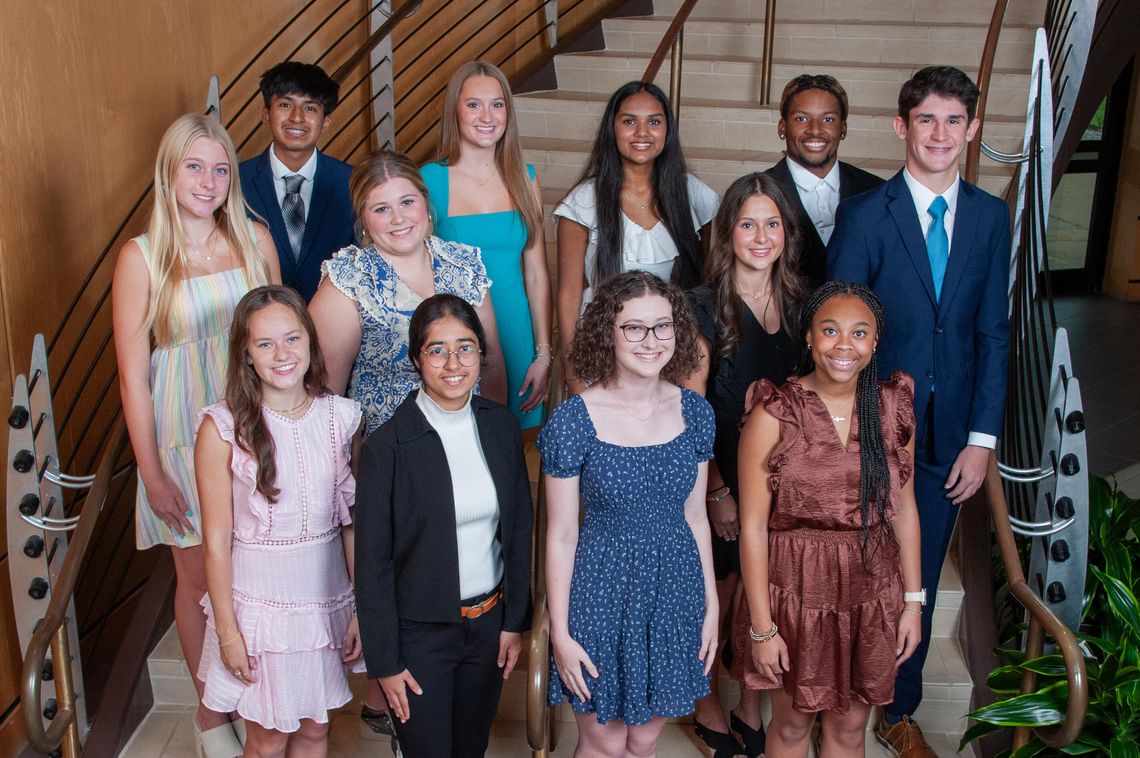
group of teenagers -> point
(777, 403)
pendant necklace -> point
(625, 408)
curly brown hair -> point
(592, 352)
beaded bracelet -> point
(543, 359)
(231, 640)
(724, 492)
(765, 636)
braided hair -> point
(874, 471)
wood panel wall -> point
(92, 87)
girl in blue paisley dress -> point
(633, 604)
(367, 294)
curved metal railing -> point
(540, 732)
(1041, 621)
(51, 631)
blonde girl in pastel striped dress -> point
(173, 298)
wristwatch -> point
(915, 597)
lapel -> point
(318, 204)
(900, 204)
(267, 200)
(847, 182)
(781, 173)
(963, 245)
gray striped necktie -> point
(293, 209)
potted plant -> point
(1110, 633)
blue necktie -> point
(937, 244)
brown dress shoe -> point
(903, 739)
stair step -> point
(738, 77)
(733, 126)
(861, 41)
(921, 11)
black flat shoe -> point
(722, 744)
(753, 739)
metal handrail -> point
(375, 39)
(51, 632)
(539, 735)
(1041, 620)
(985, 69)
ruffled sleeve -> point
(580, 206)
(459, 270)
(565, 439)
(344, 270)
(899, 390)
(780, 405)
(703, 201)
(244, 468)
(699, 422)
(346, 414)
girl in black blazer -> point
(443, 543)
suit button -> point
(930, 373)
(938, 330)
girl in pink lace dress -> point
(273, 474)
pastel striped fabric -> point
(186, 376)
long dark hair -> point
(243, 385)
(874, 471)
(720, 266)
(670, 191)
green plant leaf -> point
(1085, 744)
(1040, 708)
(1048, 665)
(1120, 599)
(977, 731)
(1118, 563)
(1123, 747)
(1029, 749)
(1107, 647)
(1005, 680)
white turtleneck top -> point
(473, 490)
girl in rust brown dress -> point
(829, 532)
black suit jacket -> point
(328, 223)
(813, 258)
(407, 557)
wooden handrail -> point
(538, 732)
(375, 39)
(1041, 620)
(671, 33)
(51, 630)
(985, 69)
(766, 63)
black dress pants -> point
(457, 668)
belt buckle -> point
(475, 611)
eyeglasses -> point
(638, 332)
(467, 355)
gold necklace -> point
(482, 183)
(293, 413)
(206, 244)
(625, 195)
(625, 408)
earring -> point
(809, 346)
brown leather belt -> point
(477, 610)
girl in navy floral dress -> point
(633, 604)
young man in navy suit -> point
(813, 121)
(301, 193)
(936, 250)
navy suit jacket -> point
(813, 257)
(958, 345)
(328, 223)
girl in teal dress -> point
(484, 195)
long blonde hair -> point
(167, 240)
(508, 150)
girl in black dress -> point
(745, 313)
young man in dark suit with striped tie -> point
(301, 193)
(935, 249)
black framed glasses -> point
(638, 332)
(437, 356)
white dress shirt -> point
(280, 171)
(923, 197)
(820, 197)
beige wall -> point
(1122, 274)
(90, 87)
